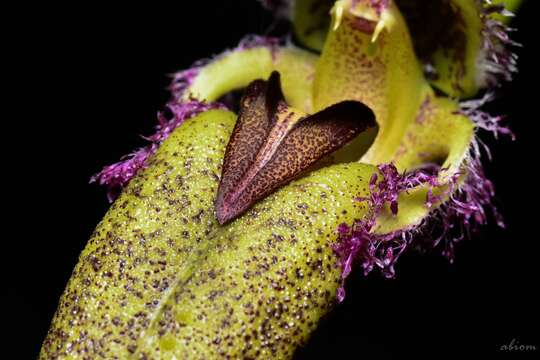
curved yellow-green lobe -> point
(369, 58)
(269, 277)
(439, 135)
(236, 69)
(138, 251)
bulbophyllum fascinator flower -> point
(232, 233)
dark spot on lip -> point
(95, 262)
(302, 206)
(197, 217)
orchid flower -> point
(233, 232)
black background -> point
(89, 79)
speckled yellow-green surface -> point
(144, 242)
(160, 278)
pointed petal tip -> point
(221, 217)
(225, 212)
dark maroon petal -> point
(272, 143)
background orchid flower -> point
(163, 277)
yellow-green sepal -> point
(235, 69)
